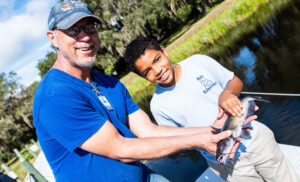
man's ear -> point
(164, 50)
(52, 37)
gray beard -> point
(85, 65)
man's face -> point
(155, 66)
(80, 50)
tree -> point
(8, 87)
(16, 127)
(45, 64)
(124, 20)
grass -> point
(182, 30)
(239, 18)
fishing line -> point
(272, 94)
(227, 164)
(242, 152)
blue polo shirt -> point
(67, 111)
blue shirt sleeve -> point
(69, 119)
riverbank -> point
(211, 35)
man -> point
(86, 123)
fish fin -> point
(218, 130)
(258, 98)
(251, 108)
(245, 133)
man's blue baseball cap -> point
(65, 14)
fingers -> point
(250, 118)
(222, 135)
(220, 121)
(211, 143)
(221, 112)
(234, 148)
(234, 107)
(231, 103)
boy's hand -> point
(230, 103)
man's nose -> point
(83, 36)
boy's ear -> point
(164, 50)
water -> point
(267, 60)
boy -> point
(196, 91)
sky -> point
(23, 41)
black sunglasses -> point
(74, 30)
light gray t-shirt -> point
(193, 100)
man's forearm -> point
(108, 142)
(141, 125)
(164, 131)
(157, 147)
(132, 149)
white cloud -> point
(22, 34)
(6, 7)
(29, 74)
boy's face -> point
(155, 66)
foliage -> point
(16, 116)
(211, 39)
(45, 64)
(124, 20)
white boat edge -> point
(291, 153)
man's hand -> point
(209, 139)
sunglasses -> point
(74, 30)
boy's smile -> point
(155, 66)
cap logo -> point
(66, 7)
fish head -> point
(222, 158)
(223, 151)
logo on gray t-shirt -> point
(206, 83)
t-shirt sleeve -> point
(130, 105)
(219, 72)
(70, 120)
(160, 117)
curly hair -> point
(136, 48)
